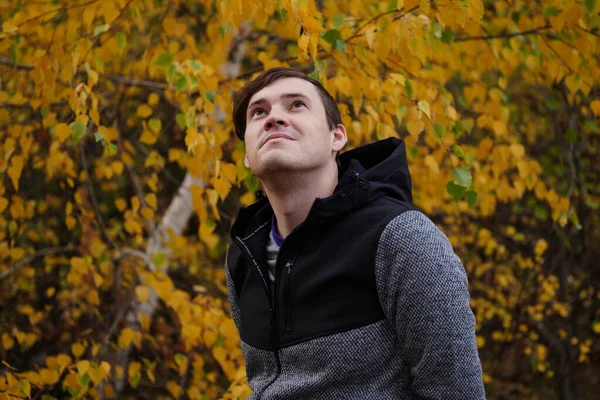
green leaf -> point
(101, 29)
(550, 11)
(224, 30)
(424, 107)
(401, 111)
(590, 5)
(181, 83)
(83, 380)
(77, 129)
(331, 36)
(456, 149)
(171, 71)
(408, 89)
(462, 176)
(338, 21)
(180, 119)
(179, 359)
(163, 60)
(439, 131)
(190, 117)
(159, 259)
(455, 191)
(98, 136)
(553, 103)
(391, 5)
(471, 198)
(195, 65)
(340, 46)
(121, 41)
(210, 96)
(447, 36)
(135, 379)
(571, 135)
(155, 125)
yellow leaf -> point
(151, 200)
(125, 338)
(163, 288)
(70, 222)
(25, 388)
(401, 79)
(118, 167)
(147, 213)
(343, 84)
(153, 99)
(92, 297)
(7, 342)
(83, 366)
(77, 349)
(3, 204)
(415, 127)
(311, 25)
(229, 171)
(144, 111)
(121, 204)
(148, 137)
(89, 13)
(595, 106)
(303, 43)
(228, 328)
(62, 131)
(92, 78)
(142, 293)
(222, 187)
(15, 169)
(174, 389)
(49, 376)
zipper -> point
(272, 312)
(288, 303)
(274, 323)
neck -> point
(291, 195)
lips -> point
(277, 135)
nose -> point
(275, 120)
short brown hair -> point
(242, 97)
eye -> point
(256, 112)
(298, 103)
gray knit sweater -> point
(425, 347)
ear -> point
(339, 138)
(246, 163)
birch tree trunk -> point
(175, 219)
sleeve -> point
(423, 291)
(230, 261)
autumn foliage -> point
(121, 175)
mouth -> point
(277, 135)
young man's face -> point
(287, 129)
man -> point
(339, 287)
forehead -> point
(286, 85)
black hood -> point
(365, 174)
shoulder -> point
(412, 245)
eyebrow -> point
(283, 96)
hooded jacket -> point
(369, 301)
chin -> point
(275, 163)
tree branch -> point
(503, 35)
(40, 253)
(92, 193)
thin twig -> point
(503, 35)
(40, 253)
(90, 185)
